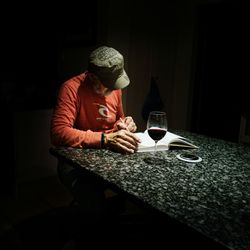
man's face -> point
(99, 88)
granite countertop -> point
(212, 196)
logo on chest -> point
(103, 111)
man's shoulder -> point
(75, 81)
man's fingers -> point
(123, 141)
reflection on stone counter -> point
(211, 196)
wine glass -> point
(157, 128)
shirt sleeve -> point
(62, 129)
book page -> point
(174, 140)
(147, 143)
(169, 140)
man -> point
(89, 114)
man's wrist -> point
(103, 140)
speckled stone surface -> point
(212, 196)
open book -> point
(170, 140)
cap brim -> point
(120, 83)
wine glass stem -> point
(155, 148)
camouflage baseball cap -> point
(108, 65)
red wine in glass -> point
(157, 133)
(157, 126)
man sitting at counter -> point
(89, 114)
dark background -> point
(32, 41)
(221, 81)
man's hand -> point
(122, 141)
(127, 123)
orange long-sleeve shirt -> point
(81, 115)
